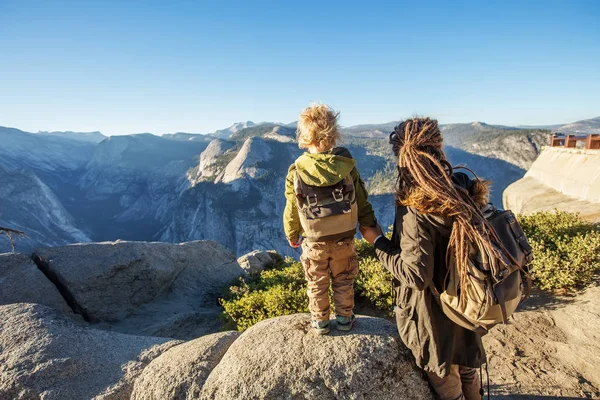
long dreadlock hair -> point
(425, 183)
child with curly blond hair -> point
(325, 200)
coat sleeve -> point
(291, 220)
(411, 262)
(366, 215)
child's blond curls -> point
(317, 126)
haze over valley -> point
(66, 187)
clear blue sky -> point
(194, 66)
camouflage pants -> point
(325, 263)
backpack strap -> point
(312, 194)
(502, 304)
(304, 191)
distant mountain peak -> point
(240, 125)
(90, 137)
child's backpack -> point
(326, 211)
(496, 286)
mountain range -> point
(66, 187)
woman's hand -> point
(371, 233)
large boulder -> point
(257, 260)
(45, 355)
(282, 358)
(22, 282)
(180, 373)
(156, 289)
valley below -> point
(65, 187)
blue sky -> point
(167, 66)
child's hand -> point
(371, 233)
(295, 245)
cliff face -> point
(241, 204)
(567, 179)
(27, 204)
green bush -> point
(374, 283)
(281, 290)
(566, 249)
(277, 291)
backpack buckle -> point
(338, 195)
(312, 200)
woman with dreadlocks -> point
(437, 213)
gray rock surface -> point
(209, 166)
(255, 151)
(22, 282)
(549, 350)
(256, 261)
(156, 289)
(45, 355)
(180, 373)
(281, 358)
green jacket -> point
(324, 169)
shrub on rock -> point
(281, 290)
(566, 249)
(272, 293)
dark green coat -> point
(415, 256)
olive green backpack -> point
(496, 286)
(326, 211)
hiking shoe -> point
(321, 327)
(345, 323)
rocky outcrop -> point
(180, 373)
(549, 350)
(46, 355)
(281, 134)
(256, 261)
(157, 289)
(528, 195)
(244, 214)
(567, 179)
(247, 162)
(281, 358)
(236, 127)
(210, 161)
(22, 282)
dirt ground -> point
(549, 350)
